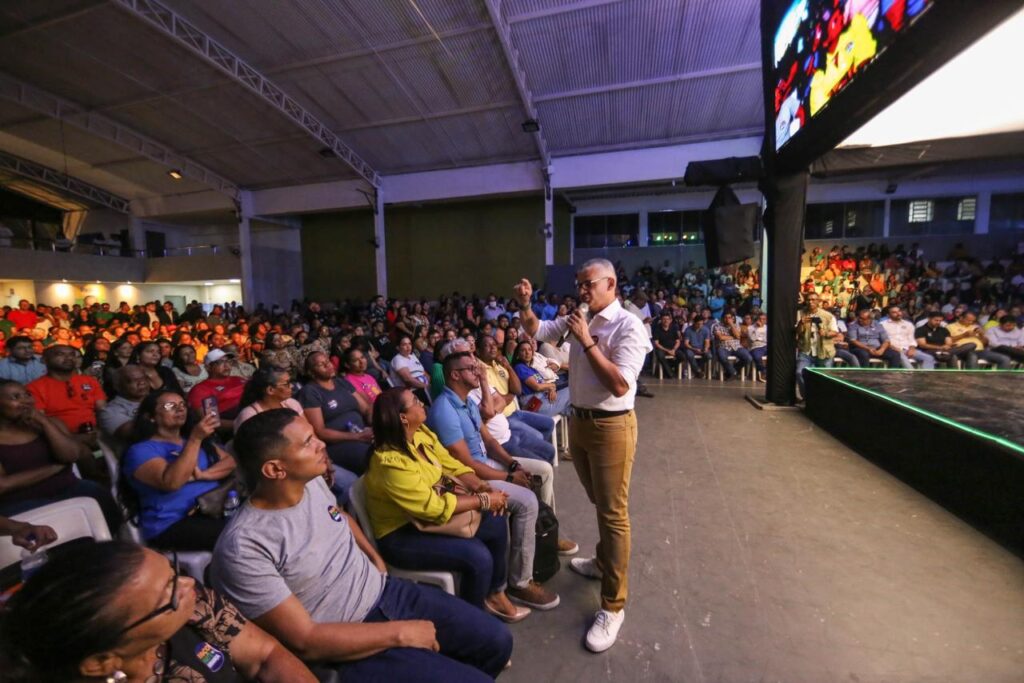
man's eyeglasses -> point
(589, 284)
(171, 606)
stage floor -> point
(989, 404)
(766, 550)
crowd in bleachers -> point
(416, 416)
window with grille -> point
(921, 211)
(966, 208)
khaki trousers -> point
(602, 452)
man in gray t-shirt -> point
(265, 556)
(302, 569)
(117, 419)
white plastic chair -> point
(446, 581)
(195, 562)
(71, 519)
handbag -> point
(461, 524)
(211, 503)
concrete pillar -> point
(549, 224)
(245, 249)
(137, 237)
(983, 212)
(379, 238)
(643, 236)
(886, 218)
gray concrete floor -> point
(765, 550)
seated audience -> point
(71, 398)
(280, 353)
(1007, 339)
(457, 421)
(967, 331)
(115, 611)
(406, 480)
(120, 351)
(904, 341)
(36, 455)
(21, 364)
(757, 335)
(353, 369)
(726, 334)
(408, 370)
(147, 356)
(220, 386)
(185, 368)
(504, 379)
(667, 343)
(697, 346)
(934, 338)
(170, 463)
(302, 569)
(117, 419)
(549, 398)
(868, 340)
(338, 414)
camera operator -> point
(815, 338)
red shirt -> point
(227, 391)
(72, 402)
(23, 319)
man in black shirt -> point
(667, 342)
(936, 340)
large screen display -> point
(820, 46)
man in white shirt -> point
(605, 359)
(903, 338)
(757, 333)
(493, 309)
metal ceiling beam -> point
(504, 32)
(189, 36)
(63, 182)
(561, 9)
(661, 80)
(79, 116)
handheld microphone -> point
(584, 310)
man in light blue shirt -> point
(21, 365)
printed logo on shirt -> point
(86, 386)
(334, 512)
(332, 404)
(210, 656)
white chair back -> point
(72, 518)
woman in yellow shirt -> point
(407, 463)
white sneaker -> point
(585, 566)
(604, 630)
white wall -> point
(57, 293)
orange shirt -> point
(72, 402)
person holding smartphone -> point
(221, 392)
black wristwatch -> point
(513, 466)
(508, 477)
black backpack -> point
(545, 562)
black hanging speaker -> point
(729, 229)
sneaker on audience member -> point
(567, 547)
(534, 595)
(604, 630)
(586, 566)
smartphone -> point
(210, 406)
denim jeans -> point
(540, 423)
(474, 645)
(925, 360)
(804, 360)
(757, 356)
(891, 357)
(743, 359)
(480, 561)
(527, 442)
(696, 364)
(560, 406)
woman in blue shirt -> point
(552, 400)
(168, 466)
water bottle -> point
(353, 427)
(231, 503)
(31, 562)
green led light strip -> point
(921, 411)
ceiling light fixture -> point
(234, 280)
(531, 126)
(175, 173)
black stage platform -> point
(957, 436)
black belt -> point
(592, 414)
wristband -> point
(587, 348)
(513, 466)
(508, 477)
